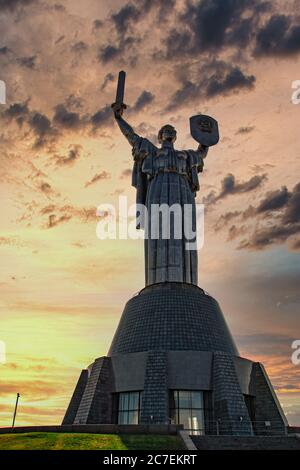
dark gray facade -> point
(172, 317)
(173, 336)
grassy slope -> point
(74, 441)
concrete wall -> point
(172, 317)
(243, 369)
(157, 372)
(72, 409)
(129, 371)
(189, 370)
(267, 406)
(229, 405)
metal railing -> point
(223, 427)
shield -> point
(204, 129)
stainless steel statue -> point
(165, 176)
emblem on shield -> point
(204, 129)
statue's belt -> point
(170, 170)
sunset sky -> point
(62, 155)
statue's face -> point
(168, 134)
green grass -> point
(74, 441)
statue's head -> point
(167, 133)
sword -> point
(119, 103)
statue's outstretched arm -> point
(201, 152)
(127, 131)
(196, 164)
(125, 128)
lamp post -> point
(15, 412)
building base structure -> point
(173, 361)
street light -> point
(15, 412)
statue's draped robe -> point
(167, 176)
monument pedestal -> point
(173, 360)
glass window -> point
(185, 418)
(122, 417)
(125, 401)
(133, 417)
(197, 419)
(129, 407)
(134, 400)
(184, 399)
(187, 408)
(197, 399)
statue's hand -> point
(118, 109)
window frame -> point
(175, 408)
(126, 412)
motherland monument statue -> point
(166, 176)
(173, 362)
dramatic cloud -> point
(37, 122)
(270, 235)
(132, 12)
(216, 78)
(41, 127)
(102, 118)
(97, 24)
(210, 25)
(125, 22)
(142, 101)
(13, 4)
(274, 200)
(108, 78)
(279, 36)
(46, 188)
(111, 52)
(230, 186)
(215, 21)
(235, 232)
(73, 155)
(292, 213)
(225, 219)
(126, 173)
(17, 112)
(281, 209)
(79, 46)
(65, 118)
(4, 50)
(245, 130)
(28, 62)
(98, 177)
(206, 26)
(215, 24)
(232, 81)
(125, 16)
(57, 215)
(53, 220)
(108, 53)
